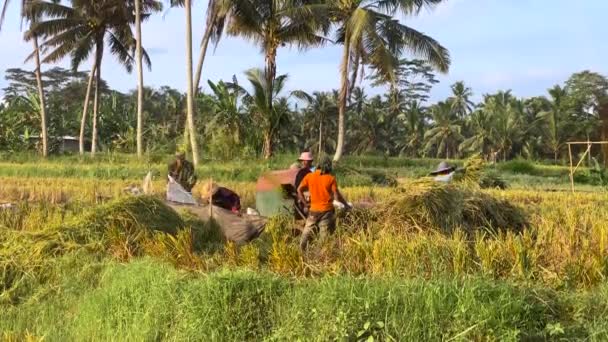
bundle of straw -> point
(426, 204)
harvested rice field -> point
(516, 256)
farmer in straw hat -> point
(182, 171)
(323, 190)
(306, 167)
(444, 172)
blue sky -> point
(523, 45)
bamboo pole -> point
(571, 173)
(582, 158)
(210, 199)
(586, 142)
(587, 153)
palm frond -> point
(121, 52)
(82, 51)
(302, 95)
(407, 7)
(419, 44)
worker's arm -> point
(301, 188)
(341, 199)
(339, 196)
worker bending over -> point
(182, 171)
(323, 189)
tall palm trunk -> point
(271, 71)
(267, 145)
(342, 101)
(203, 53)
(190, 92)
(86, 108)
(96, 100)
(45, 140)
(140, 80)
(604, 129)
(555, 154)
(354, 74)
(320, 137)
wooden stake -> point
(210, 198)
(587, 153)
(571, 173)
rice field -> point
(80, 260)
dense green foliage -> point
(500, 127)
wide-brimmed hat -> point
(443, 167)
(306, 156)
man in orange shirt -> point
(323, 189)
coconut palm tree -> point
(483, 138)
(507, 114)
(321, 106)
(31, 18)
(555, 121)
(444, 135)
(366, 28)
(414, 121)
(187, 4)
(225, 104)
(152, 5)
(214, 28)
(266, 92)
(271, 24)
(460, 99)
(79, 29)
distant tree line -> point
(237, 122)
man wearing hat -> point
(323, 190)
(182, 171)
(305, 161)
(444, 172)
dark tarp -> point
(237, 228)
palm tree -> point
(190, 82)
(226, 109)
(78, 29)
(370, 127)
(555, 120)
(31, 17)
(367, 28)
(507, 114)
(271, 24)
(482, 139)
(444, 135)
(268, 117)
(214, 27)
(414, 120)
(320, 105)
(460, 99)
(150, 4)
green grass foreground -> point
(148, 300)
